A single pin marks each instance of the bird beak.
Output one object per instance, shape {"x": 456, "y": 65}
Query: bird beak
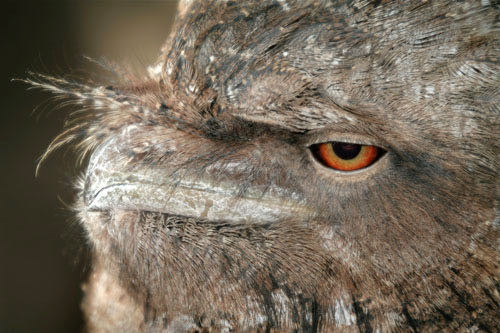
{"x": 109, "y": 185}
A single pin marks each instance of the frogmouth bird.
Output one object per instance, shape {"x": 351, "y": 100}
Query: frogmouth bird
{"x": 297, "y": 166}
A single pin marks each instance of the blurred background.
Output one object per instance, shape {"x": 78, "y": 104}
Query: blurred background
{"x": 43, "y": 260}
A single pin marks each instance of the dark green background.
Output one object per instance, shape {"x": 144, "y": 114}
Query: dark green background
{"x": 42, "y": 264}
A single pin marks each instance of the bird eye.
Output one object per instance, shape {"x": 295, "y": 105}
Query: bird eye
{"x": 346, "y": 156}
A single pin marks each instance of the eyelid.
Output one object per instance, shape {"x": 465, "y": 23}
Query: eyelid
{"x": 317, "y": 137}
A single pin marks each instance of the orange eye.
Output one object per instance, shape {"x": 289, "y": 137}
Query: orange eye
{"x": 345, "y": 156}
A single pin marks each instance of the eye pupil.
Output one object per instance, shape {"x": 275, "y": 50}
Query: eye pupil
{"x": 346, "y": 151}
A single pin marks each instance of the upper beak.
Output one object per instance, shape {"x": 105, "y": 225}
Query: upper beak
{"x": 110, "y": 185}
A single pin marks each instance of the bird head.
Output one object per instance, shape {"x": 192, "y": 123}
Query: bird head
{"x": 298, "y": 165}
